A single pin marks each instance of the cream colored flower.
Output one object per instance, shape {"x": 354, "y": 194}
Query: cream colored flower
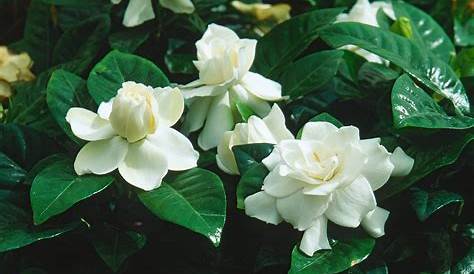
{"x": 271, "y": 129}
{"x": 224, "y": 80}
{"x": 13, "y": 68}
{"x": 140, "y": 11}
{"x": 366, "y": 13}
{"x": 267, "y": 15}
{"x": 132, "y": 132}
{"x": 329, "y": 174}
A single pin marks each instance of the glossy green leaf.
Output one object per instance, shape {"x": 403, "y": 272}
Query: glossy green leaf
{"x": 465, "y": 63}
{"x": 57, "y": 187}
{"x": 466, "y": 264}
{"x": 464, "y": 32}
{"x": 431, "y": 71}
{"x": 17, "y": 231}
{"x": 107, "y": 76}
{"x": 115, "y": 246}
{"x": 376, "y": 76}
{"x": 426, "y": 203}
{"x": 250, "y": 182}
{"x": 249, "y": 154}
{"x": 426, "y": 31}
{"x": 310, "y": 72}
{"x": 343, "y": 255}
{"x": 287, "y": 40}
{"x": 194, "y": 199}
{"x": 10, "y": 172}
{"x": 66, "y": 90}
{"x": 129, "y": 40}
{"x": 413, "y": 107}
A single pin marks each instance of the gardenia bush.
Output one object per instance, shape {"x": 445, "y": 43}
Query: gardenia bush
{"x": 215, "y": 136}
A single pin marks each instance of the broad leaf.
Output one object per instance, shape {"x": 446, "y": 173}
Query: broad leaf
{"x": 310, "y": 72}
{"x": 426, "y": 203}
{"x": 249, "y": 154}
{"x": 17, "y": 231}
{"x": 413, "y": 107}
{"x": 250, "y": 183}
{"x": 287, "y": 40}
{"x": 376, "y": 76}
{"x": 194, "y": 199}
{"x": 129, "y": 40}
{"x": 343, "y": 255}
{"x": 115, "y": 246}
{"x": 426, "y": 32}
{"x": 107, "y": 76}
{"x": 431, "y": 71}
{"x": 57, "y": 187}
{"x": 10, "y": 173}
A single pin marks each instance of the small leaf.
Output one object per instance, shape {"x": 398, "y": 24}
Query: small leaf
{"x": 244, "y": 110}
{"x": 57, "y": 187}
{"x": 426, "y": 203}
{"x": 107, "y": 76}
{"x": 115, "y": 246}
{"x": 250, "y": 182}
{"x": 249, "y": 154}
{"x": 194, "y": 199}
{"x": 10, "y": 173}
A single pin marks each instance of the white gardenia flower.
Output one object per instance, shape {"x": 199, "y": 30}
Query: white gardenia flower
{"x": 223, "y": 62}
{"x": 270, "y": 129}
{"x": 140, "y": 11}
{"x": 329, "y": 174}
{"x": 366, "y": 13}
{"x": 132, "y": 132}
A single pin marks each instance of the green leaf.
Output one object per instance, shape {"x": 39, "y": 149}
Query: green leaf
{"x": 426, "y": 32}
{"x": 466, "y": 264}
{"x": 249, "y": 154}
{"x": 465, "y": 63}
{"x": 66, "y": 90}
{"x": 376, "y": 76}
{"x": 10, "y": 173}
{"x": 194, "y": 199}
{"x": 115, "y": 246}
{"x": 57, "y": 187}
{"x": 426, "y": 203}
{"x": 250, "y": 182}
{"x": 413, "y": 107}
{"x": 129, "y": 40}
{"x": 16, "y": 230}
{"x": 343, "y": 255}
{"x": 244, "y": 110}
{"x": 431, "y": 71}
{"x": 107, "y": 76}
{"x": 287, "y": 40}
{"x": 310, "y": 72}
{"x": 74, "y": 3}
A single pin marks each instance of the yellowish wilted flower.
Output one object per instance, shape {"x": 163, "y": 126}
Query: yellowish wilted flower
{"x": 13, "y": 68}
{"x": 267, "y": 15}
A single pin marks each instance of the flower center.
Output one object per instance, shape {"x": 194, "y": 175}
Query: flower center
{"x": 323, "y": 168}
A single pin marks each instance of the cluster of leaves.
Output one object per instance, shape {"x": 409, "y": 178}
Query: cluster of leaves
{"x": 97, "y": 224}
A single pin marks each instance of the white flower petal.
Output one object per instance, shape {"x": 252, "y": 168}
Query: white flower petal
{"x": 137, "y": 12}
{"x": 225, "y": 157}
{"x": 246, "y": 55}
{"x": 374, "y": 222}
{"x": 402, "y": 162}
{"x": 144, "y": 165}
{"x": 315, "y": 238}
{"x": 105, "y": 108}
{"x": 352, "y": 203}
{"x": 175, "y": 147}
{"x": 88, "y": 126}
{"x": 263, "y": 207}
{"x": 272, "y": 160}
{"x": 178, "y": 6}
{"x": 378, "y": 168}
{"x": 275, "y": 121}
{"x": 262, "y": 87}
{"x": 302, "y": 210}
{"x": 170, "y": 106}
{"x": 219, "y": 120}
{"x": 317, "y": 131}
{"x": 101, "y": 157}
{"x": 280, "y": 186}
{"x": 238, "y": 94}
{"x": 196, "y": 114}
{"x": 202, "y": 90}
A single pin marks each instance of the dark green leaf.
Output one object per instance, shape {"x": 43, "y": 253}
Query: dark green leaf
{"x": 466, "y": 264}
{"x": 376, "y": 76}
{"x": 107, "y": 76}
{"x": 465, "y": 63}
{"x": 74, "y": 3}
{"x": 426, "y": 203}
{"x": 10, "y": 173}
{"x": 16, "y": 230}
{"x": 57, "y": 187}
{"x": 115, "y": 246}
{"x": 413, "y": 107}
{"x": 343, "y": 255}
{"x": 129, "y": 40}
{"x": 431, "y": 71}
{"x": 310, "y": 73}
{"x": 287, "y": 40}
{"x": 250, "y": 183}
{"x": 249, "y": 154}
{"x": 194, "y": 199}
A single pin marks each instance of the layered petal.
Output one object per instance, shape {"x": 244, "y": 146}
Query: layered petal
{"x": 175, "y": 147}
{"x": 105, "y": 108}
{"x": 374, "y": 222}
{"x": 403, "y": 164}
{"x": 219, "y": 120}
{"x": 88, "y": 126}
{"x": 280, "y": 186}
{"x": 196, "y": 114}
{"x": 246, "y": 53}
{"x": 261, "y": 87}
{"x": 263, "y": 207}
{"x": 144, "y": 165}
{"x": 170, "y": 106}
{"x": 238, "y": 94}
{"x": 317, "y": 131}
{"x": 315, "y": 238}
{"x": 137, "y": 12}
{"x": 275, "y": 121}
{"x": 378, "y": 168}
{"x": 178, "y": 6}
{"x": 101, "y": 157}
{"x": 225, "y": 157}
